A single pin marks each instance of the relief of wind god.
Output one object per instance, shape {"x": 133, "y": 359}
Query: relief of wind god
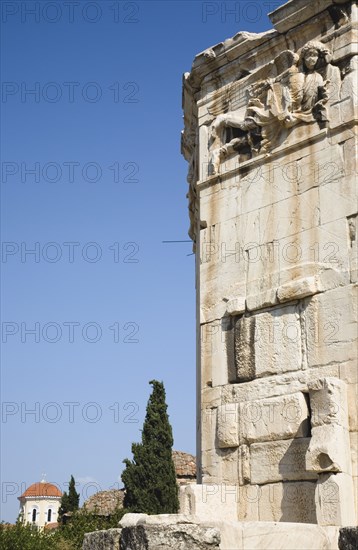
{"x": 297, "y": 93}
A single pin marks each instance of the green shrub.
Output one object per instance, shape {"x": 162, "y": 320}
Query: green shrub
{"x": 67, "y": 537}
{"x": 24, "y": 537}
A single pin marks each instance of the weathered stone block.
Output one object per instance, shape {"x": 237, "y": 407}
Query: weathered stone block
{"x": 260, "y": 257}
{"x": 331, "y": 327}
{"x": 288, "y": 501}
{"x": 276, "y": 418}
{"x": 215, "y": 339}
{"x": 277, "y": 341}
{"x": 103, "y": 540}
{"x": 244, "y": 464}
{"x": 220, "y": 466}
{"x": 211, "y": 397}
{"x": 211, "y": 467}
{"x": 177, "y": 536}
{"x": 228, "y": 426}
{"x": 275, "y": 386}
{"x": 354, "y": 453}
{"x": 349, "y": 373}
{"x": 349, "y": 109}
{"x": 248, "y": 507}
{"x": 244, "y": 349}
{"x": 288, "y": 536}
{"x": 326, "y": 246}
{"x": 236, "y": 306}
{"x": 328, "y": 401}
{"x": 297, "y": 289}
{"x": 130, "y": 520}
{"x": 319, "y": 278}
{"x": 209, "y": 501}
{"x": 222, "y": 267}
{"x": 352, "y": 394}
{"x": 350, "y": 146}
{"x": 353, "y": 252}
{"x": 261, "y": 188}
{"x": 289, "y": 215}
{"x": 213, "y": 303}
{"x": 338, "y": 198}
{"x": 213, "y": 206}
{"x": 262, "y": 272}
{"x": 320, "y": 166}
{"x": 231, "y": 534}
{"x": 335, "y": 500}
{"x": 229, "y": 466}
{"x": 268, "y": 343}
{"x": 262, "y": 299}
{"x": 208, "y": 428}
{"x": 280, "y": 461}
{"x": 290, "y": 15}
{"x": 329, "y": 450}
{"x": 330, "y": 278}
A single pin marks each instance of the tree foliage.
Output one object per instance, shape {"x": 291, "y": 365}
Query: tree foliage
{"x": 73, "y": 496}
{"x": 67, "y": 537}
{"x": 23, "y": 537}
{"x": 69, "y": 501}
{"x": 83, "y": 522}
{"x": 149, "y": 479}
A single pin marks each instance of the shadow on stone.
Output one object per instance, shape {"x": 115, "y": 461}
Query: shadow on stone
{"x": 348, "y": 538}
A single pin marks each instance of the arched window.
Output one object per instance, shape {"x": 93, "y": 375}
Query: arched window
{"x": 34, "y": 515}
{"x": 49, "y": 515}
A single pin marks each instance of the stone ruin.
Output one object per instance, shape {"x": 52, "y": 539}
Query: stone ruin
{"x": 270, "y": 138}
{"x": 185, "y": 467}
{"x": 105, "y": 503}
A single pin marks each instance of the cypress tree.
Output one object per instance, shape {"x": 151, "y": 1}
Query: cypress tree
{"x": 73, "y": 496}
{"x": 63, "y": 509}
{"x": 69, "y": 502}
{"x": 149, "y": 479}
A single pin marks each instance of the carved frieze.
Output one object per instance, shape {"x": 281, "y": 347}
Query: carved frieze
{"x": 296, "y": 91}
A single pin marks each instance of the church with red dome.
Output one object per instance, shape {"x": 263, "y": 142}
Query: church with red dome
{"x": 40, "y": 503}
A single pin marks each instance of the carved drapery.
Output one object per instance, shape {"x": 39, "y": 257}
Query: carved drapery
{"x": 301, "y": 86}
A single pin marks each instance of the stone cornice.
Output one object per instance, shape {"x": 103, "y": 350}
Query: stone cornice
{"x": 296, "y": 12}
{"x": 213, "y": 58}
{"x": 285, "y": 18}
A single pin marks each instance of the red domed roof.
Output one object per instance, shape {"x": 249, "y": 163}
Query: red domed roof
{"x": 42, "y": 489}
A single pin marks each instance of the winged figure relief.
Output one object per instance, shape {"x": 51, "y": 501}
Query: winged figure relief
{"x": 292, "y": 91}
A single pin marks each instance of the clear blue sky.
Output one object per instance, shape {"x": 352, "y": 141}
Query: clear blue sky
{"x": 101, "y": 133}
